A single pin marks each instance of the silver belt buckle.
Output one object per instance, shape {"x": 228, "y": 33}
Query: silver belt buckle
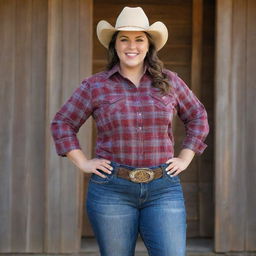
{"x": 141, "y": 175}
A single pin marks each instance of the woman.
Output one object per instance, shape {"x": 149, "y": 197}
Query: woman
{"x": 134, "y": 188}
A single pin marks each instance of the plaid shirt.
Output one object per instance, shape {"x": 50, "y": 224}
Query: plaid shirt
{"x": 134, "y": 124}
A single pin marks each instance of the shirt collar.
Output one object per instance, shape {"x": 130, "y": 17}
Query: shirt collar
{"x": 116, "y": 69}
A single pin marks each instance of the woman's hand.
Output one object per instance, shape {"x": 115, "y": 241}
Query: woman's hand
{"x": 95, "y": 164}
{"x": 89, "y": 166}
{"x": 176, "y": 166}
{"x": 180, "y": 163}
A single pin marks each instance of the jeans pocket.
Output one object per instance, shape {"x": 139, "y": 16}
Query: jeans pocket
{"x": 173, "y": 180}
{"x": 99, "y": 180}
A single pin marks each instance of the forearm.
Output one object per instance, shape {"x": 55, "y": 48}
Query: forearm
{"x": 77, "y": 157}
{"x": 187, "y": 155}
{"x": 89, "y": 165}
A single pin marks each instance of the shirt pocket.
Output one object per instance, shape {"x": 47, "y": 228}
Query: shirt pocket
{"x": 163, "y": 102}
{"x": 113, "y": 103}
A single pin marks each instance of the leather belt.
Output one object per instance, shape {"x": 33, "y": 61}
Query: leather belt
{"x": 140, "y": 175}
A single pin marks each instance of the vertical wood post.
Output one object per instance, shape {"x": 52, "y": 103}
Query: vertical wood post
{"x": 197, "y": 35}
{"x": 69, "y": 61}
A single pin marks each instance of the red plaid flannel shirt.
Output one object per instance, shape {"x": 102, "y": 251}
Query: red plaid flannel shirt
{"x": 134, "y": 124}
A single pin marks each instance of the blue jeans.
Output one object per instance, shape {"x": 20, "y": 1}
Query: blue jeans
{"x": 119, "y": 210}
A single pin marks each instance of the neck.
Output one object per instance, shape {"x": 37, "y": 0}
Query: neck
{"x": 133, "y": 74}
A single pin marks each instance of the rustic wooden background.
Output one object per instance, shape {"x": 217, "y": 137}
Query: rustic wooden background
{"x": 48, "y": 46}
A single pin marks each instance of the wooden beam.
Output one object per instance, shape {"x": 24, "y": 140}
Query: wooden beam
{"x": 7, "y": 81}
{"x": 69, "y": 61}
{"x": 251, "y": 127}
{"x": 197, "y": 35}
{"x": 231, "y": 164}
{"x": 196, "y": 75}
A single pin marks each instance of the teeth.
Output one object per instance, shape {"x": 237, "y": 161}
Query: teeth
{"x": 131, "y": 54}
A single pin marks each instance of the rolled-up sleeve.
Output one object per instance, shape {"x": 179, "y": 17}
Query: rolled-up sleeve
{"x": 69, "y": 118}
{"x": 193, "y": 114}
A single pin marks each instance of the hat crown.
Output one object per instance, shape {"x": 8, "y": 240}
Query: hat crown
{"x": 132, "y": 17}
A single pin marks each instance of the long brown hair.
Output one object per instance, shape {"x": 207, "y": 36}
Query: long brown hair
{"x": 155, "y": 65}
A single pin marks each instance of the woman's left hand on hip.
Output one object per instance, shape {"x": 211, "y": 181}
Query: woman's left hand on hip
{"x": 176, "y": 166}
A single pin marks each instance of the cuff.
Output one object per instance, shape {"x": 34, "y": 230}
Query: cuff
{"x": 64, "y": 145}
{"x": 198, "y": 146}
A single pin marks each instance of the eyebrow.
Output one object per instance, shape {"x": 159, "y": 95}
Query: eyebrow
{"x": 135, "y": 37}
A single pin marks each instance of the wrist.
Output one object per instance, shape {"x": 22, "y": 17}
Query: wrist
{"x": 186, "y": 155}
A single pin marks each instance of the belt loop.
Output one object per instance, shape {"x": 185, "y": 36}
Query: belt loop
{"x": 115, "y": 166}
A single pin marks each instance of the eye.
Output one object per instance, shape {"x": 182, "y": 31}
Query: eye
{"x": 123, "y": 39}
{"x": 140, "y": 40}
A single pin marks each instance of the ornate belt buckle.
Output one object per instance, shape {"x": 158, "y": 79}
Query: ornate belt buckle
{"x": 141, "y": 175}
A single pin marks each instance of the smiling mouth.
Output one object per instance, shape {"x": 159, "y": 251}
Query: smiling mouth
{"x": 131, "y": 54}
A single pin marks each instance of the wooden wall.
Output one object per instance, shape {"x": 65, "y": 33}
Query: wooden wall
{"x": 23, "y": 26}
{"x": 189, "y": 52}
{"x": 46, "y": 50}
{"x": 235, "y": 222}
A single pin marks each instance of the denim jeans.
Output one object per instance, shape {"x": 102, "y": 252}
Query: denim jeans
{"x": 119, "y": 210}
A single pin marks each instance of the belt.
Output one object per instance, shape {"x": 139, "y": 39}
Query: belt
{"x": 140, "y": 175}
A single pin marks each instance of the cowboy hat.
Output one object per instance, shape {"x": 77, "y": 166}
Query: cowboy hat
{"x": 133, "y": 19}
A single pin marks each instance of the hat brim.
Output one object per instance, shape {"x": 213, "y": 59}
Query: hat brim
{"x": 158, "y": 31}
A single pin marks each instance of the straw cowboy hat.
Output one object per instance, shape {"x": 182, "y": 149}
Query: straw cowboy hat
{"x": 133, "y": 19}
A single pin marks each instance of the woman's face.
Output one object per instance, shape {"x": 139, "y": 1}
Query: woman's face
{"x": 131, "y": 48}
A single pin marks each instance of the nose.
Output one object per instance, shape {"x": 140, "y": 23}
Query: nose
{"x": 132, "y": 44}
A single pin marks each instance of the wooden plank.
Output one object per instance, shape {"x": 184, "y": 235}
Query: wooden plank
{"x": 196, "y": 63}
{"x": 238, "y": 130}
{"x": 69, "y": 187}
{"x": 53, "y": 102}
{"x": 230, "y": 213}
{"x": 35, "y": 130}
{"x": 222, "y": 116}
{"x": 196, "y": 74}
{"x": 21, "y": 126}
{"x": 68, "y": 62}
{"x": 206, "y": 171}
{"x": 7, "y": 81}
{"x": 251, "y": 127}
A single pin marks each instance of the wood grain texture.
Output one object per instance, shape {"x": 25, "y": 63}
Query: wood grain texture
{"x": 68, "y": 64}
{"x": 7, "y": 83}
{"x": 250, "y": 127}
{"x": 53, "y": 102}
{"x": 23, "y": 185}
{"x": 223, "y": 112}
{"x": 234, "y": 121}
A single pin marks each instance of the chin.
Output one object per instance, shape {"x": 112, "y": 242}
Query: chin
{"x": 133, "y": 65}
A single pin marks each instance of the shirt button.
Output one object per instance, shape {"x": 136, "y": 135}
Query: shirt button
{"x": 140, "y": 114}
{"x": 140, "y": 128}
